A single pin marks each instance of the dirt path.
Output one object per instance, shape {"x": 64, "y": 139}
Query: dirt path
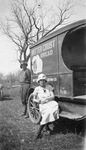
{"x": 17, "y": 133}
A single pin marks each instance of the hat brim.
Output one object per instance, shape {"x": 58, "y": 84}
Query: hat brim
{"x": 42, "y": 79}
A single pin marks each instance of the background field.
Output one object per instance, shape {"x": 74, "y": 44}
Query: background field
{"x": 18, "y": 133}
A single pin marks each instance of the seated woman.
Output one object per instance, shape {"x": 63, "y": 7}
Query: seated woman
{"x": 47, "y": 106}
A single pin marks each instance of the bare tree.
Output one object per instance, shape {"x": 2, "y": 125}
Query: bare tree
{"x": 11, "y": 79}
{"x": 26, "y": 25}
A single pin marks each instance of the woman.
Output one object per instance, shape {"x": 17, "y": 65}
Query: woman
{"x": 47, "y": 106}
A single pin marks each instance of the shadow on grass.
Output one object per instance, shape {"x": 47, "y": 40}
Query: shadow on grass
{"x": 65, "y": 126}
{"x": 6, "y": 97}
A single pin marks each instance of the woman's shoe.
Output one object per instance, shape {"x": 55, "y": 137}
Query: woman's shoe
{"x": 38, "y": 137}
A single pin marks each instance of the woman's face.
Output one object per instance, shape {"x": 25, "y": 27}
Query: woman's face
{"x": 42, "y": 83}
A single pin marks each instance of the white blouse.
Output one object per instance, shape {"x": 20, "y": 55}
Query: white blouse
{"x": 43, "y": 93}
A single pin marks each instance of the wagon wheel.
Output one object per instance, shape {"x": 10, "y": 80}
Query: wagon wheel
{"x": 33, "y": 110}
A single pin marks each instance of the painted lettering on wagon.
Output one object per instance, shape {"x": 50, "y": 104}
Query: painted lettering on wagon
{"x": 51, "y": 79}
{"x": 45, "y": 49}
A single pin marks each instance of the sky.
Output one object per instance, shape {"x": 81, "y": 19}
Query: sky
{"x": 8, "y": 55}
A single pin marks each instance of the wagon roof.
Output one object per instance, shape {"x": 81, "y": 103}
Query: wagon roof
{"x": 60, "y": 31}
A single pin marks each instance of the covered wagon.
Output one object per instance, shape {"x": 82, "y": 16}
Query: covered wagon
{"x": 62, "y": 57}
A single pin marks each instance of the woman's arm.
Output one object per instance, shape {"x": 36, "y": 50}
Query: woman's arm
{"x": 51, "y": 97}
{"x": 35, "y": 97}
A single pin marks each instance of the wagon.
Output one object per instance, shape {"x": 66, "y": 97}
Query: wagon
{"x": 62, "y": 57}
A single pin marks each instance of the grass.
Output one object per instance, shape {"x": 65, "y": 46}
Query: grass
{"x": 18, "y": 133}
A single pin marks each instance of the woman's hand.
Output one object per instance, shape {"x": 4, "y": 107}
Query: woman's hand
{"x": 46, "y": 100}
{"x": 50, "y": 98}
{"x": 35, "y": 100}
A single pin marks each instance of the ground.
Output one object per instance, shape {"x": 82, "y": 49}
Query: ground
{"x": 18, "y": 133}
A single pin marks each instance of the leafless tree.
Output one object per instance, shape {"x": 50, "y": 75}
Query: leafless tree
{"x": 26, "y": 25}
{"x": 10, "y": 79}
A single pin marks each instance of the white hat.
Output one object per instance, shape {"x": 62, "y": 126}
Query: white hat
{"x": 42, "y": 77}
